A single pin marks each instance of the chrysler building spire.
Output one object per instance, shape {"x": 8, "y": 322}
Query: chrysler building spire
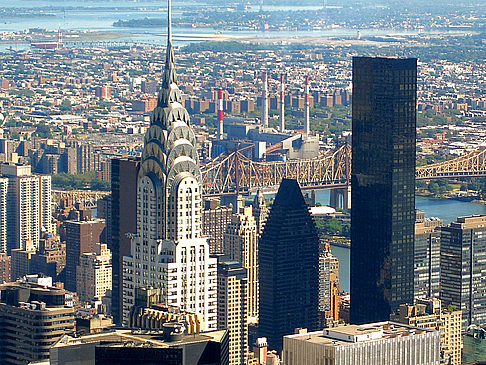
{"x": 169, "y": 200}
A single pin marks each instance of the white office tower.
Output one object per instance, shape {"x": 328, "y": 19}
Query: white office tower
{"x": 241, "y": 244}
{"x": 25, "y": 207}
{"x": 168, "y": 250}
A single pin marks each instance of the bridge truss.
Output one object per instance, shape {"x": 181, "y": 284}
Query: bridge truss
{"x": 236, "y": 172}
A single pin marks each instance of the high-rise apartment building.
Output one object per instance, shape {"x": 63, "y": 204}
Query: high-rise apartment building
{"x": 426, "y": 257}
{"x": 383, "y": 181}
{"x": 240, "y": 244}
{"x": 94, "y": 274}
{"x": 168, "y": 250}
{"x": 288, "y": 259}
{"x": 382, "y": 343}
{"x": 4, "y": 267}
{"x": 462, "y": 268}
{"x": 215, "y": 218}
{"x": 32, "y": 318}
{"x": 25, "y": 210}
{"x": 122, "y": 220}
{"x": 232, "y": 309}
{"x": 80, "y": 237}
{"x": 428, "y": 313}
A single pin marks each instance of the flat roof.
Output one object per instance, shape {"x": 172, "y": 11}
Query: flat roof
{"x": 350, "y": 334}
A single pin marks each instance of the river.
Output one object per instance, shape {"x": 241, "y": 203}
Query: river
{"x": 445, "y": 209}
{"x": 96, "y": 15}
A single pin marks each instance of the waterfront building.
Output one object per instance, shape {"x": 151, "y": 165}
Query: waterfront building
{"x": 383, "y": 181}
{"x": 329, "y": 287}
{"x": 232, "y": 309}
{"x": 215, "y": 218}
{"x": 463, "y": 267}
{"x": 169, "y": 250}
{"x": 288, "y": 258}
{"x": 428, "y": 313}
{"x": 426, "y": 257}
{"x": 81, "y": 237}
{"x": 25, "y": 208}
{"x": 122, "y": 220}
{"x": 240, "y": 244}
{"x": 32, "y": 318}
{"x": 382, "y": 343}
{"x": 94, "y": 274}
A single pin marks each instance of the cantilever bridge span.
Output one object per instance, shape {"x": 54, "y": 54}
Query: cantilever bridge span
{"x": 236, "y": 172}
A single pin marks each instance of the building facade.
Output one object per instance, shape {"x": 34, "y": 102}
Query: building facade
{"x": 169, "y": 250}
{"x": 382, "y": 343}
{"x": 25, "y": 210}
{"x": 94, "y": 274}
{"x": 383, "y": 181}
{"x": 122, "y": 220}
{"x": 288, "y": 259}
{"x": 427, "y": 257}
{"x": 463, "y": 266}
{"x": 240, "y": 244}
{"x": 215, "y": 219}
{"x": 232, "y": 309}
{"x": 428, "y": 313}
{"x": 80, "y": 237}
{"x": 32, "y": 319}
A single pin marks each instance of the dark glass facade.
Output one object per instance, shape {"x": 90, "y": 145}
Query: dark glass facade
{"x": 288, "y": 257}
{"x": 122, "y": 220}
{"x": 383, "y": 186}
{"x": 463, "y": 268}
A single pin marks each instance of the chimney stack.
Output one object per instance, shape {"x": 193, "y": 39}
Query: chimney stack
{"x": 282, "y": 102}
{"x": 220, "y": 114}
{"x": 307, "y": 108}
{"x": 265, "y": 100}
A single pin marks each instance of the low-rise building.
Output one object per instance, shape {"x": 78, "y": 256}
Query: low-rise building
{"x": 381, "y": 343}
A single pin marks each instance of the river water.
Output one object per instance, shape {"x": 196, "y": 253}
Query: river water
{"x": 445, "y": 209}
{"x": 96, "y": 15}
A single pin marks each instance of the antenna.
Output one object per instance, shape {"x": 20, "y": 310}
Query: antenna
{"x": 169, "y": 22}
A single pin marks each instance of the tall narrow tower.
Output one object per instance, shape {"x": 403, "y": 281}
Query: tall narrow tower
{"x": 383, "y": 181}
{"x": 282, "y": 102}
{"x": 220, "y": 114}
{"x": 265, "y": 100}
{"x": 168, "y": 250}
{"x": 307, "y": 108}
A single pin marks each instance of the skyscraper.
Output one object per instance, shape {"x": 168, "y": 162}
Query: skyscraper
{"x": 288, "y": 258}
{"x": 25, "y": 208}
{"x": 240, "y": 244}
{"x": 232, "y": 309}
{"x": 383, "y": 186}
{"x": 168, "y": 250}
{"x": 426, "y": 257}
{"x": 462, "y": 268}
{"x": 122, "y": 220}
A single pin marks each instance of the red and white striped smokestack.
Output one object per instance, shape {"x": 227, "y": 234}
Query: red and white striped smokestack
{"x": 265, "y": 100}
{"x": 307, "y": 107}
{"x": 59, "y": 37}
{"x": 282, "y": 102}
{"x": 220, "y": 114}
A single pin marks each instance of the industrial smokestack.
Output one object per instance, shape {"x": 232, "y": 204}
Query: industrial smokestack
{"x": 220, "y": 114}
{"x": 265, "y": 100}
{"x": 307, "y": 108}
{"x": 282, "y": 102}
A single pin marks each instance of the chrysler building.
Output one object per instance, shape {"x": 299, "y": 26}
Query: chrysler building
{"x": 168, "y": 250}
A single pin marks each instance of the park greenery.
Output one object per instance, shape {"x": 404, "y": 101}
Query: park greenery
{"x": 332, "y": 227}
{"x": 87, "y": 180}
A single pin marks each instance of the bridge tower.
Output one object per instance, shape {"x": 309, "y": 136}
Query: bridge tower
{"x": 341, "y": 198}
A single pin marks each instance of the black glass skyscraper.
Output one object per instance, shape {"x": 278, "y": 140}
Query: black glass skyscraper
{"x": 383, "y": 186}
{"x": 288, "y": 257}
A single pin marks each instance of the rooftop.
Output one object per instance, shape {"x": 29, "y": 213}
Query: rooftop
{"x": 349, "y": 334}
